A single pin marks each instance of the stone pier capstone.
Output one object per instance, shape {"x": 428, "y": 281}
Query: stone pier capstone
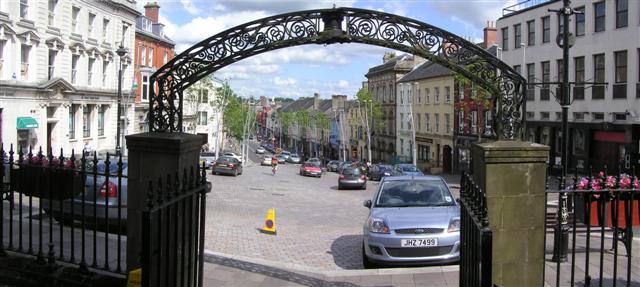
{"x": 513, "y": 175}
{"x": 153, "y": 155}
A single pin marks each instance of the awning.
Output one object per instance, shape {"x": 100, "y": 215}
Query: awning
{"x": 24, "y": 123}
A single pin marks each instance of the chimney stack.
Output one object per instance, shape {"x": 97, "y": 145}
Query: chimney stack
{"x": 152, "y": 11}
{"x": 388, "y": 56}
{"x": 316, "y": 101}
{"x": 490, "y": 33}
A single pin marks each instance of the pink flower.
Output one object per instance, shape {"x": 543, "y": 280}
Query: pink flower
{"x": 601, "y": 174}
{"x": 583, "y": 184}
{"x": 636, "y": 183}
{"x": 611, "y": 182}
{"x": 625, "y": 181}
{"x": 595, "y": 184}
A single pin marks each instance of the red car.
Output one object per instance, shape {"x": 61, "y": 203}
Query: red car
{"x": 310, "y": 169}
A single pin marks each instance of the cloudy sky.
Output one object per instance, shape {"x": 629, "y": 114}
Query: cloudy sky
{"x": 300, "y": 71}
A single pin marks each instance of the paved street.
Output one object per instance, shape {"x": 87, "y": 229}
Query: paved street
{"x": 318, "y": 225}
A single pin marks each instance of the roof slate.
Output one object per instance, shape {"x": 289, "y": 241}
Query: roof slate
{"x": 425, "y": 71}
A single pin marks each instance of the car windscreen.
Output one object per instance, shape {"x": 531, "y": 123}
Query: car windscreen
{"x": 414, "y": 193}
{"x": 385, "y": 167}
{"x": 351, "y": 171}
{"x": 313, "y": 164}
{"x": 225, "y": 159}
{"x": 408, "y": 168}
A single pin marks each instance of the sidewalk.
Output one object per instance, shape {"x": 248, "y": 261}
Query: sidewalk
{"x": 232, "y": 271}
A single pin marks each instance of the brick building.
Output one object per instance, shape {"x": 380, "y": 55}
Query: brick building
{"x": 153, "y": 49}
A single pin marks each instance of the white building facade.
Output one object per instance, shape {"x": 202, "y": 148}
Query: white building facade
{"x": 202, "y": 116}
{"x": 59, "y": 72}
{"x": 604, "y": 120}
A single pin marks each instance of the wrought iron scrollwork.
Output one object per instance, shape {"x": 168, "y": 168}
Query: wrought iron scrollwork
{"x": 325, "y": 26}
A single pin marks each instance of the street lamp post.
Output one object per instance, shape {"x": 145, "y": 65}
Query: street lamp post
{"x": 561, "y": 230}
{"x": 121, "y": 52}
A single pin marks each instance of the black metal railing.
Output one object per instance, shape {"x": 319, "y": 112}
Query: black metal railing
{"x": 173, "y": 230}
{"x": 604, "y": 210}
{"x": 475, "y": 235}
{"x": 70, "y": 209}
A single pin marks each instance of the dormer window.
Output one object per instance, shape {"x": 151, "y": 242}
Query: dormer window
{"x": 146, "y": 24}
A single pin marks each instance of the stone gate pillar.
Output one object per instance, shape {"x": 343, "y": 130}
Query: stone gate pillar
{"x": 153, "y": 155}
{"x": 513, "y": 175}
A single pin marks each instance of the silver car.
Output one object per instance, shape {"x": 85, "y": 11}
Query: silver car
{"x": 413, "y": 220}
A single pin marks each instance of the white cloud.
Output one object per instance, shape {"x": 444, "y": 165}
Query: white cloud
{"x": 201, "y": 28}
{"x": 190, "y": 7}
{"x": 343, "y": 84}
{"x": 171, "y": 5}
{"x": 474, "y": 14}
{"x": 284, "y": 82}
{"x": 280, "y": 6}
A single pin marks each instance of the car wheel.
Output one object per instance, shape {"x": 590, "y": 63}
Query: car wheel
{"x": 235, "y": 173}
{"x": 365, "y": 260}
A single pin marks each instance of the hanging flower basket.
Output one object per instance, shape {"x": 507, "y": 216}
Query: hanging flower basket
{"x": 600, "y": 195}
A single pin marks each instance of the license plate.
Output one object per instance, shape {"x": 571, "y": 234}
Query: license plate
{"x": 222, "y": 165}
{"x": 426, "y": 242}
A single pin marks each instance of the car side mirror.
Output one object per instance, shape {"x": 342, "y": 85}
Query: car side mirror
{"x": 367, "y": 203}
{"x": 458, "y": 200}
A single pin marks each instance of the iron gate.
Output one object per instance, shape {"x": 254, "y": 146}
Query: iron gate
{"x": 173, "y": 230}
{"x": 64, "y": 208}
{"x": 601, "y": 212}
{"x": 475, "y": 235}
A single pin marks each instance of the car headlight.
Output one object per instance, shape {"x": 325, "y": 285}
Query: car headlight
{"x": 386, "y": 174}
{"x": 454, "y": 225}
{"x": 377, "y": 225}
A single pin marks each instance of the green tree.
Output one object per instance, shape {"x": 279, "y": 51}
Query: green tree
{"x": 234, "y": 111}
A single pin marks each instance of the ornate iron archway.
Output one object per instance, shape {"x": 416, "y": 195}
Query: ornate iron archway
{"x": 338, "y": 25}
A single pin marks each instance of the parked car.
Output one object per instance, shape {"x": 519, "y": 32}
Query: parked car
{"x": 281, "y": 159}
{"x": 343, "y": 165}
{"x": 208, "y": 158}
{"x": 352, "y": 177}
{"x": 315, "y": 160}
{"x": 310, "y": 169}
{"x": 266, "y": 160}
{"x": 233, "y": 155}
{"x": 294, "y": 158}
{"x": 332, "y": 165}
{"x": 286, "y": 154}
{"x": 260, "y": 150}
{"x": 408, "y": 169}
{"x": 412, "y": 220}
{"x": 378, "y": 171}
{"x": 227, "y": 165}
{"x": 102, "y": 190}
